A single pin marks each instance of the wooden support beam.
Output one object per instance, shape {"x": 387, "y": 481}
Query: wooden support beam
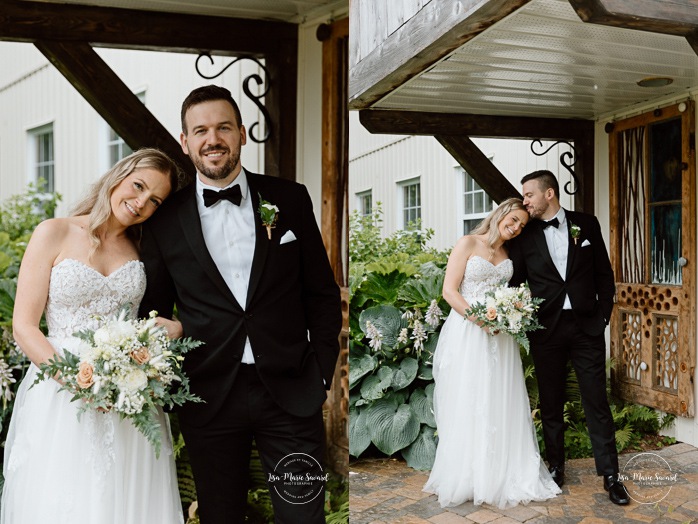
{"x": 28, "y": 21}
{"x": 437, "y": 29}
{"x": 478, "y": 166}
{"x": 584, "y": 169}
{"x": 424, "y": 123}
{"x": 112, "y": 99}
{"x": 335, "y": 145}
{"x": 281, "y": 102}
{"x": 672, "y": 17}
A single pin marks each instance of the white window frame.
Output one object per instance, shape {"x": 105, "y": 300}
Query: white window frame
{"x": 34, "y": 165}
{"x": 403, "y": 207}
{"x": 465, "y": 190}
{"x": 360, "y": 201}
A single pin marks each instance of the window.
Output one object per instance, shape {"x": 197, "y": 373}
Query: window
{"x": 365, "y": 204}
{"x": 116, "y": 147}
{"x": 41, "y": 157}
{"x": 476, "y": 203}
{"x": 411, "y": 203}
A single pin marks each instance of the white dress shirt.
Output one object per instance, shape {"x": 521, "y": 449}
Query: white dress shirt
{"x": 229, "y": 233}
{"x": 558, "y": 243}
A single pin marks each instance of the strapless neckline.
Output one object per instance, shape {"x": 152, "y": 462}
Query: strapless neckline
{"x": 78, "y": 262}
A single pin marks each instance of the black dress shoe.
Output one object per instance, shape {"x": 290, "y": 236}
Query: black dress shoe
{"x": 558, "y": 475}
{"x": 616, "y": 490}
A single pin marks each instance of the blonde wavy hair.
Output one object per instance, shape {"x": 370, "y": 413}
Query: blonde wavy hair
{"x": 490, "y": 225}
{"x": 97, "y": 203}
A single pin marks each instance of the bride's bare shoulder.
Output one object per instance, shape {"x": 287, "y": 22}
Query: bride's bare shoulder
{"x": 469, "y": 241}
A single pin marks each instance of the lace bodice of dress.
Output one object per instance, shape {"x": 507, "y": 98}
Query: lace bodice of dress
{"x": 482, "y": 276}
{"x": 78, "y": 294}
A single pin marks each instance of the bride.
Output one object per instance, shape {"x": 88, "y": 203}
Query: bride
{"x": 487, "y": 450}
{"x": 99, "y": 469}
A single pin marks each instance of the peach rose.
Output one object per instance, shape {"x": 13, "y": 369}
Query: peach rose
{"x": 85, "y": 379}
{"x": 491, "y": 313}
{"x": 141, "y": 355}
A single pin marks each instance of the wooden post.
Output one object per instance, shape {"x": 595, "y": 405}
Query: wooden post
{"x": 334, "y": 218}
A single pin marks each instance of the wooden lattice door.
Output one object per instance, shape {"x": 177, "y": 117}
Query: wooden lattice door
{"x": 653, "y": 232}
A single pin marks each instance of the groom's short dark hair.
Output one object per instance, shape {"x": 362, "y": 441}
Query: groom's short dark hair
{"x": 208, "y": 94}
{"x": 546, "y": 180}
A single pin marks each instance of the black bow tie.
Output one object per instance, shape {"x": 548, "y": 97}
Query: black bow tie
{"x": 554, "y": 223}
{"x": 233, "y": 194}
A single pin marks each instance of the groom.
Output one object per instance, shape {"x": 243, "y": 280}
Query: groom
{"x": 255, "y": 284}
{"x": 563, "y": 257}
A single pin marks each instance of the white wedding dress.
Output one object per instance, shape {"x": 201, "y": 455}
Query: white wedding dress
{"x": 487, "y": 449}
{"x": 100, "y": 469}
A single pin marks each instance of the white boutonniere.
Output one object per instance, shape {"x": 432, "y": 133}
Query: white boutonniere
{"x": 575, "y": 231}
{"x": 269, "y": 214}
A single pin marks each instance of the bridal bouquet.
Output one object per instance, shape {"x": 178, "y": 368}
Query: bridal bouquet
{"x": 127, "y": 366}
{"x": 509, "y": 310}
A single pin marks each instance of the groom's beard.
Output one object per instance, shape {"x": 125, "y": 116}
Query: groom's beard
{"x": 216, "y": 173}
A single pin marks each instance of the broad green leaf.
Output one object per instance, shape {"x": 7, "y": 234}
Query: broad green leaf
{"x": 392, "y": 426}
{"x": 381, "y": 288}
{"x": 405, "y": 373}
{"x": 374, "y": 386}
{"x": 426, "y": 372}
{"x": 422, "y": 402}
{"x": 421, "y": 453}
{"x": 359, "y": 438}
{"x": 360, "y": 367}
{"x": 419, "y": 292}
{"x": 386, "y": 319}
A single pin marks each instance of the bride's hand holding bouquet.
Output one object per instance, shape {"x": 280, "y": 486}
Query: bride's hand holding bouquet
{"x": 129, "y": 366}
{"x": 510, "y": 310}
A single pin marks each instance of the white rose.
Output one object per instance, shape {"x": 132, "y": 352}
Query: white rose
{"x": 134, "y": 380}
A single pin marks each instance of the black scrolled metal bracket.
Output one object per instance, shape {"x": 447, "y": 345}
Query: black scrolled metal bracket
{"x": 256, "y": 99}
{"x": 568, "y": 159}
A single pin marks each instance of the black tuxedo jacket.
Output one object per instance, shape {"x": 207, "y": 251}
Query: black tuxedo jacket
{"x": 589, "y": 280}
{"x": 293, "y": 312}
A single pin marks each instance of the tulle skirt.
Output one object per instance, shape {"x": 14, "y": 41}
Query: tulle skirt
{"x": 96, "y": 470}
{"x": 487, "y": 449}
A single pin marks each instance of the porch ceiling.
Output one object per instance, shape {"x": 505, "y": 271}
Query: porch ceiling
{"x": 294, "y": 11}
{"x": 544, "y": 61}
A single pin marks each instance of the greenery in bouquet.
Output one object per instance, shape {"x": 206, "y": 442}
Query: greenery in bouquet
{"x": 128, "y": 366}
{"x": 509, "y": 310}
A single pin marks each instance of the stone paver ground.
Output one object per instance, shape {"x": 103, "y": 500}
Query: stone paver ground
{"x": 383, "y": 491}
